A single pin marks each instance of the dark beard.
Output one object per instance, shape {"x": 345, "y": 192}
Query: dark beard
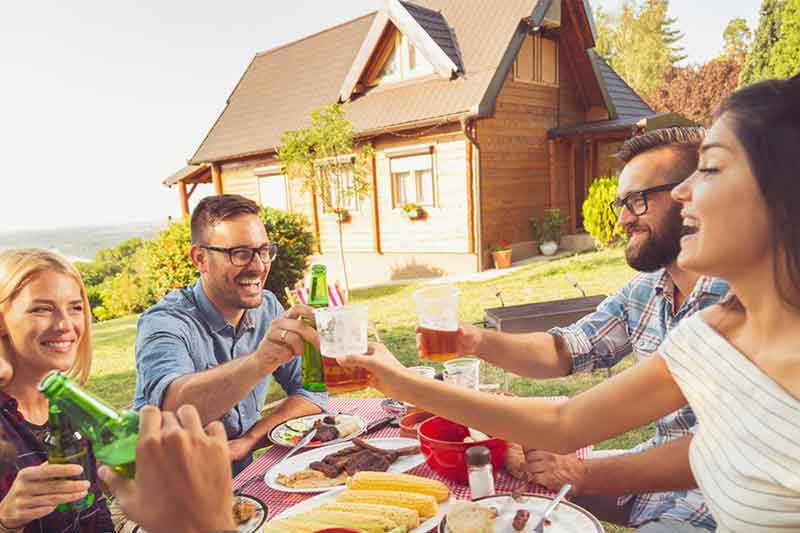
{"x": 661, "y": 248}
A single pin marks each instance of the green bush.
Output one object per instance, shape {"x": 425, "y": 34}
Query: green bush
{"x": 598, "y": 219}
{"x": 295, "y": 247}
{"x": 168, "y": 264}
{"x": 548, "y": 228}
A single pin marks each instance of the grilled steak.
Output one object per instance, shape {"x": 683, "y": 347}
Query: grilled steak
{"x": 326, "y": 468}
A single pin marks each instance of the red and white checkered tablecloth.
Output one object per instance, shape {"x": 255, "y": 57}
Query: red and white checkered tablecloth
{"x": 370, "y": 409}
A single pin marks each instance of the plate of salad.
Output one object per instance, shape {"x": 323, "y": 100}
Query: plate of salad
{"x": 331, "y": 429}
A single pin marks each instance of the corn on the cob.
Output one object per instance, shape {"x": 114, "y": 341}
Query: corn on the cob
{"x": 367, "y": 524}
{"x": 399, "y": 515}
{"x": 424, "y": 504}
{"x": 399, "y": 482}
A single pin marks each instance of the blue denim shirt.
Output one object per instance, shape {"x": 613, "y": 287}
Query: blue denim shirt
{"x": 183, "y": 333}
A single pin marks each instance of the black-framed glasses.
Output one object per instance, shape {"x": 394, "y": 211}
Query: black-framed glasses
{"x": 243, "y": 255}
{"x": 636, "y": 201}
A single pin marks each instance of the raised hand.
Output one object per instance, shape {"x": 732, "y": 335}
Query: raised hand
{"x": 384, "y": 369}
{"x": 285, "y": 336}
{"x": 468, "y": 340}
{"x": 183, "y": 475}
{"x": 37, "y": 490}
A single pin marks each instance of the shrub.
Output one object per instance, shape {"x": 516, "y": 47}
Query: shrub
{"x": 549, "y": 227}
{"x": 598, "y": 219}
{"x": 295, "y": 247}
{"x": 168, "y": 264}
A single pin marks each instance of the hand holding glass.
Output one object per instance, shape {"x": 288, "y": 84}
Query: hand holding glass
{"x": 342, "y": 331}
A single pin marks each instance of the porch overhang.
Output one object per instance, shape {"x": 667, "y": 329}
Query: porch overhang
{"x": 623, "y": 127}
{"x": 190, "y": 174}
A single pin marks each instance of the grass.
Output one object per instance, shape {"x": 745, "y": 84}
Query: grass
{"x": 392, "y": 313}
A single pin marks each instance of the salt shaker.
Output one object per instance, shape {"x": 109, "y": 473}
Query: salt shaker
{"x": 479, "y": 466}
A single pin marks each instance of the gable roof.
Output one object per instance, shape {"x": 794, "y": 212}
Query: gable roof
{"x": 281, "y": 87}
{"x": 626, "y": 108}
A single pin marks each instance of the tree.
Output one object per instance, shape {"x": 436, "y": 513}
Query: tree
{"x": 695, "y": 91}
{"x": 757, "y": 65}
{"x": 639, "y": 42}
{"x": 784, "y": 59}
{"x": 736, "y": 40}
{"x": 324, "y": 157}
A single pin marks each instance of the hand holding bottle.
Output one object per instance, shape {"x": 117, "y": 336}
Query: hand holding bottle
{"x": 183, "y": 476}
{"x": 37, "y": 490}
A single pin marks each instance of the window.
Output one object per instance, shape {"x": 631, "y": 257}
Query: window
{"x": 412, "y": 179}
{"x": 349, "y": 201}
{"x": 537, "y": 60}
{"x": 403, "y": 61}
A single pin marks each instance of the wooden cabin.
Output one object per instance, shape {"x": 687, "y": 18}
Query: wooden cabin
{"x": 483, "y": 112}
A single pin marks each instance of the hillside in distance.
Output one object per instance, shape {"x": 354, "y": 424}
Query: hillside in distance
{"x": 80, "y": 243}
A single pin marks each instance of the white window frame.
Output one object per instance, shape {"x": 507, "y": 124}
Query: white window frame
{"x": 416, "y": 168}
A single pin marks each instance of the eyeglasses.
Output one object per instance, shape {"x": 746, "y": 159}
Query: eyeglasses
{"x": 243, "y": 256}
{"x": 636, "y": 201}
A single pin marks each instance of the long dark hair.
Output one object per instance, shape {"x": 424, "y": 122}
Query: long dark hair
{"x": 766, "y": 121}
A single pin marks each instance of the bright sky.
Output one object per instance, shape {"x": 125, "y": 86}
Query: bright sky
{"x": 100, "y": 101}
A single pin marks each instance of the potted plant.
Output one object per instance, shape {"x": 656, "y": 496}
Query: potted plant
{"x": 501, "y": 254}
{"x": 547, "y": 230}
{"x": 412, "y": 211}
{"x": 342, "y": 214}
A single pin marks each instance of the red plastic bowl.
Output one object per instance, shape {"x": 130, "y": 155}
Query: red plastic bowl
{"x": 336, "y": 530}
{"x": 442, "y": 444}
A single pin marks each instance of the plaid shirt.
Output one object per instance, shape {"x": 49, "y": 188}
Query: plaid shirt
{"x": 637, "y": 319}
{"x": 27, "y": 439}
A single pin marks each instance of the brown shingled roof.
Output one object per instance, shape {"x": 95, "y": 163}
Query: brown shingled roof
{"x": 282, "y": 86}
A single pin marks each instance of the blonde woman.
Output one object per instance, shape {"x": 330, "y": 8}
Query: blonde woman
{"x": 44, "y": 325}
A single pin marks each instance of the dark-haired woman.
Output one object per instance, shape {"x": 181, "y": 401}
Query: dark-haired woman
{"x": 737, "y": 364}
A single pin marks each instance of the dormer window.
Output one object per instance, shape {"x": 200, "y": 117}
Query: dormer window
{"x": 403, "y": 61}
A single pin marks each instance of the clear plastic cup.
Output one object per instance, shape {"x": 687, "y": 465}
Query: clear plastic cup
{"x": 465, "y": 372}
{"x": 342, "y": 331}
{"x": 437, "y": 319}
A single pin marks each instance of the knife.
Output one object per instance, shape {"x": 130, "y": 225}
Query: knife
{"x": 380, "y": 424}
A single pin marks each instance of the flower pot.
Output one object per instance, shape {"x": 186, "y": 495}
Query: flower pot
{"x": 548, "y": 247}
{"x": 502, "y": 259}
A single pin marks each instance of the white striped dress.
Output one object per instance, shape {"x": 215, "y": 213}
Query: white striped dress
{"x": 746, "y": 453}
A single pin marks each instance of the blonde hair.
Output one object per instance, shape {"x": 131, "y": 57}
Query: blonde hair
{"x": 17, "y": 269}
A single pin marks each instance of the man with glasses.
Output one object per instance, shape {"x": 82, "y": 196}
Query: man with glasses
{"x": 218, "y": 343}
{"x": 635, "y": 319}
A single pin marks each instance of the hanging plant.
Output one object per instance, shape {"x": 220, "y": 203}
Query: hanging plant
{"x": 412, "y": 211}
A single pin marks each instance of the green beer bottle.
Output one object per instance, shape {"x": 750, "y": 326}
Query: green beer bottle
{"x": 67, "y": 446}
{"x": 313, "y": 377}
{"x": 112, "y": 434}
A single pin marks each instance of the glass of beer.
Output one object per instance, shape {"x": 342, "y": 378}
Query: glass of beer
{"x": 437, "y": 320}
{"x": 342, "y": 331}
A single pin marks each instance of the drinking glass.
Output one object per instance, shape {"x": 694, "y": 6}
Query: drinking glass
{"x": 424, "y": 371}
{"x": 342, "y": 331}
{"x": 437, "y": 319}
{"x": 465, "y": 372}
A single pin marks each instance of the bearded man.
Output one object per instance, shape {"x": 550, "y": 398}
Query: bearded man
{"x": 646, "y": 487}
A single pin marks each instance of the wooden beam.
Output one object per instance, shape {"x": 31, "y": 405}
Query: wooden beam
{"x": 572, "y": 220}
{"x": 315, "y": 208}
{"x": 470, "y": 200}
{"x": 552, "y": 156}
{"x": 216, "y": 178}
{"x": 191, "y": 191}
{"x": 184, "y": 198}
{"x": 376, "y": 223}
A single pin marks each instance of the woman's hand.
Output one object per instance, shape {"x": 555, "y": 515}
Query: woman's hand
{"x": 37, "y": 490}
{"x": 183, "y": 475}
{"x": 385, "y": 372}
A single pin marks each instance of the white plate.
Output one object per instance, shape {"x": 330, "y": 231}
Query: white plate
{"x": 277, "y": 434}
{"x": 251, "y": 526}
{"x": 330, "y": 497}
{"x": 567, "y": 518}
{"x": 301, "y": 462}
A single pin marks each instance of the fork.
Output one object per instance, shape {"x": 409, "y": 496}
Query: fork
{"x": 550, "y": 508}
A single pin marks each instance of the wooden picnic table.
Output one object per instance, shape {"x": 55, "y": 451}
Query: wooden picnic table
{"x": 369, "y": 409}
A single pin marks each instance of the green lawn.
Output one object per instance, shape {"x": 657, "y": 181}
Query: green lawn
{"x": 113, "y": 374}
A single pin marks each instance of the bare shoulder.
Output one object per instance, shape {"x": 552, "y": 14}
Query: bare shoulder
{"x": 724, "y": 318}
